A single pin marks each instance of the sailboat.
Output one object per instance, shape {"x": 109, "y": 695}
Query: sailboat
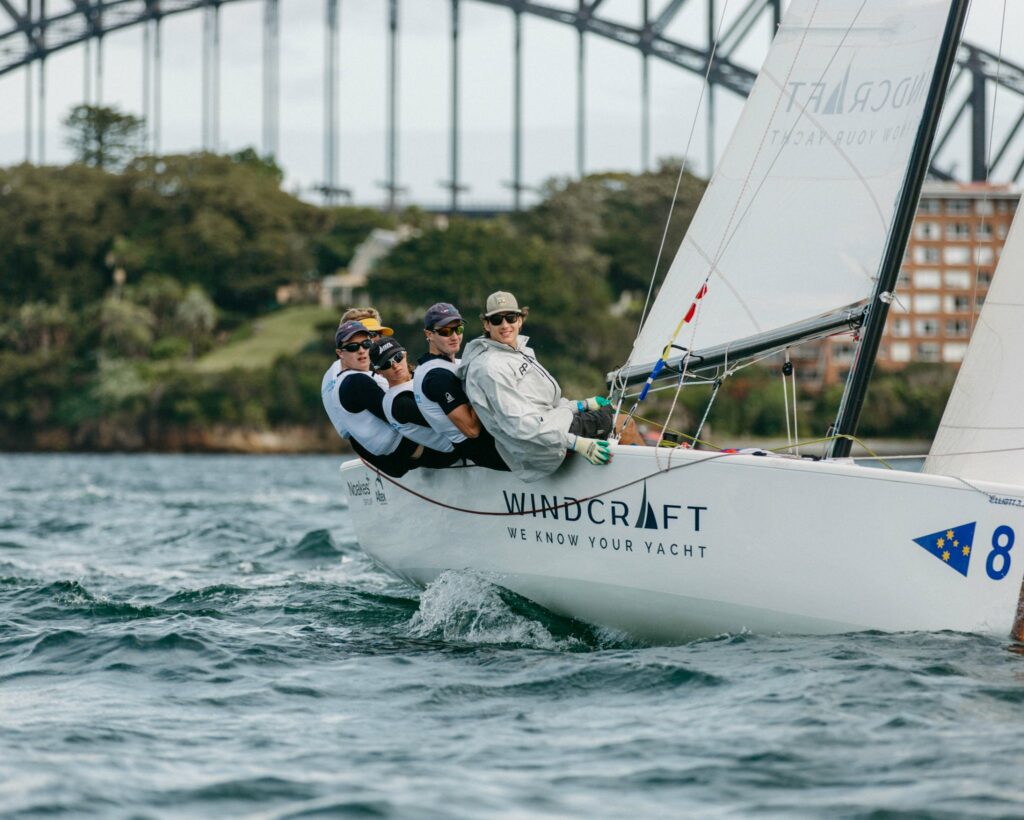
{"x": 800, "y": 235}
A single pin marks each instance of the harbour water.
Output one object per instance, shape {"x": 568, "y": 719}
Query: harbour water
{"x": 201, "y": 636}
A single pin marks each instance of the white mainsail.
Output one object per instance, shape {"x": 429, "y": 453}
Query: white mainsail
{"x": 982, "y": 430}
{"x": 794, "y": 222}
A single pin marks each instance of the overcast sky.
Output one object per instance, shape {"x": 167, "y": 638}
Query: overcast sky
{"x": 613, "y": 96}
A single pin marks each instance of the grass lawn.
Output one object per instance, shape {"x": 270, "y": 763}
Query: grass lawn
{"x": 286, "y": 331}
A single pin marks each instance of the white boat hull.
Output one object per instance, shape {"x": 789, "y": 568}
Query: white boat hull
{"x": 675, "y": 545}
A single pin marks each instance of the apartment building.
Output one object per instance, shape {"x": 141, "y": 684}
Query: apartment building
{"x": 957, "y": 236}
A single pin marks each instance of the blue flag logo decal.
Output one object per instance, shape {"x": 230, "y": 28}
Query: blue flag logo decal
{"x": 952, "y": 546}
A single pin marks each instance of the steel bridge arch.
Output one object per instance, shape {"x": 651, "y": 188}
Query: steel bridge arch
{"x": 32, "y": 34}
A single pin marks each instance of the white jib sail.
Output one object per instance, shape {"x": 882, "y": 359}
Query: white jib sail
{"x": 794, "y": 222}
{"x": 981, "y": 435}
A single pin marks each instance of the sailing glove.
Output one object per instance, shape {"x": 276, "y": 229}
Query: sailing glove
{"x": 593, "y": 403}
{"x": 594, "y": 451}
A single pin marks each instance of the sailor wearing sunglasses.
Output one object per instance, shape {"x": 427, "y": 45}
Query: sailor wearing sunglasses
{"x": 353, "y": 399}
{"x": 389, "y": 359}
{"x": 440, "y": 394}
{"x": 520, "y": 402}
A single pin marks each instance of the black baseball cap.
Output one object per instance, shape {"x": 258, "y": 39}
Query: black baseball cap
{"x": 383, "y": 351}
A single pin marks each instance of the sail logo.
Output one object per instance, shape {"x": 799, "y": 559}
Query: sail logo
{"x": 605, "y": 511}
{"x": 852, "y": 97}
{"x": 647, "y": 520}
{"x": 952, "y": 546}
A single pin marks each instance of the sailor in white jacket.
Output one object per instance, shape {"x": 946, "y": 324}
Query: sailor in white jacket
{"x": 521, "y": 404}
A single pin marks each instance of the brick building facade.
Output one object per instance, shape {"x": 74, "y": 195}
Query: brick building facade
{"x": 957, "y": 236}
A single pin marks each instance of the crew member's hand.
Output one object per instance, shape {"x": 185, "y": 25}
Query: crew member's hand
{"x": 594, "y": 451}
{"x": 593, "y": 403}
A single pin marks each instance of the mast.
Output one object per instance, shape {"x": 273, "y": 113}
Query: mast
{"x": 878, "y": 307}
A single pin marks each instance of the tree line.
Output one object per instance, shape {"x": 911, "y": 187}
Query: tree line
{"x": 118, "y": 271}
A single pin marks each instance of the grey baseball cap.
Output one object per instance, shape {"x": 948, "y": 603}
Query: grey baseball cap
{"x": 501, "y": 301}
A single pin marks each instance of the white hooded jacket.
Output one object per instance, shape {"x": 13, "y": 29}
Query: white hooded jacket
{"x": 519, "y": 403}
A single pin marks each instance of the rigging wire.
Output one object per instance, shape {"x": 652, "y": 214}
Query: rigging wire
{"x": 682, "y": 168}
{"x": 727, "y": 237}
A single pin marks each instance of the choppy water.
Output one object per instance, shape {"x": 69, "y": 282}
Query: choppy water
{"x": 201, "y": 636}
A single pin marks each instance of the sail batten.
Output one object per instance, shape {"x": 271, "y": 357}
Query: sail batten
{"x": 809, "y": 180}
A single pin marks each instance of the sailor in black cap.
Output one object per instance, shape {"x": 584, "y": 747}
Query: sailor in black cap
{"x": 440, "y": 394}
{"x": 353, "y": 399}
{"x": 389, "y": 359}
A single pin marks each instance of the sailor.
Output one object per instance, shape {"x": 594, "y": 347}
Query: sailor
{"x": 370, "y": 319}
{"x": 353, "y": 399}
{"x": 520, "y": 402}
{"x": 440, "y": 394}
{"x": 389, "y": 359}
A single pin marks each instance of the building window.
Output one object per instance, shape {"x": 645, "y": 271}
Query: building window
{"x": 1001, "y": 231}
{"x": 926, "y": 327}
{"x": 929, "y": 352}
{"x": 985, "y": 231}
{"x": 927, "y": 303}
{"x": 982, "y": 256}
{"x": 929, "y": 206}
{"x": 926, "y": 255}
{"x": 979, "y": 300}
{"x": 958, "y": 327}
{"x": 901, "y": 328}
{"x": 956, "y": 304}
{"x": 958, "y": 206}
{"x": 957, "y": 279}
{"x": 928, "y": 230}
{"x": 958, "y": 230}
{"x": 984, "y": 207}
{"x": 904, "y": 279}
{"x": 984, "y": 278}
{"x": 900, "y": 352}
{"x": 927, "y": 279}
{"x": 954, "y": 351}
{"x": 956, "y": 255}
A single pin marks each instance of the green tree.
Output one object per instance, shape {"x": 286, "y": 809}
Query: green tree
{"x": 197, "y": 317}
{"x": 570, "y": 324}
{"x": 103, "y": 137}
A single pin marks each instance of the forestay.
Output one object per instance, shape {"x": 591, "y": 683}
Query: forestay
{"x": 981, "y": 434}
{"x": 794, "y": 222}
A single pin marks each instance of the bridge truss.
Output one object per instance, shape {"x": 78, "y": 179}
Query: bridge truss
{"x": 32, "y": 30}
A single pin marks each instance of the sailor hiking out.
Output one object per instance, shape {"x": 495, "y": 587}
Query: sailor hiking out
{"x": 521, "y": 404}
{"x": 439, "y": 392}
{"x": 389, "y": 359}
{"x": 354, "y": 401}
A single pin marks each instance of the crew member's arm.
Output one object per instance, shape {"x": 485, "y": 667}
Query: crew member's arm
{"x": 445, "y": 388}
{"x": 360, "y": 392}
{"x": 405, "y": 411}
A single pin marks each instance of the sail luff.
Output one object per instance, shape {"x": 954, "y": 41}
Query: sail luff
{"x": 794, "y": 223}
{"x": 878, "y": 307}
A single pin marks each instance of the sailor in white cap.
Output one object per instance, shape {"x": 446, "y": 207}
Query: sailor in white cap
{"x": 521, "y": 403}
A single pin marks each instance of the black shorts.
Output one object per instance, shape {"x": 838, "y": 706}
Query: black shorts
{"x": 482, "y": 452}
{"x": 593, "y": 423}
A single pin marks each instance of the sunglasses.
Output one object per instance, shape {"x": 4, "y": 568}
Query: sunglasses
{"x": 501, "y": 318}
{"x": 396, "y": 359}
{"x": 352, "y": 347}
{"x": 450, "y": 330}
